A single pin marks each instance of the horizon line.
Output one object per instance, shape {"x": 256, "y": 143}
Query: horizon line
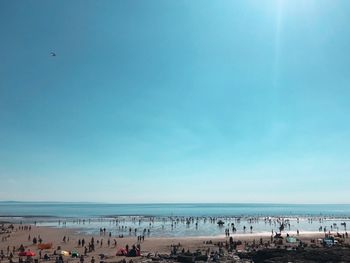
{"x": 168, "y": 203}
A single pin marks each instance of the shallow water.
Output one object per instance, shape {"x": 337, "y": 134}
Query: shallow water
{"x": 170, "y": 220}
{"x": 182, "y": 227}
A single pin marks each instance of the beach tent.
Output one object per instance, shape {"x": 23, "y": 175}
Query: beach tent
{"x": 27, "y": 254}
{"x": 291, "y": 240}
{"x": 75, "y": 254}
{"x": 329, "y": 242}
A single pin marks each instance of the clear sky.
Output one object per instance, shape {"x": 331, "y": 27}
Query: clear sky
{"x": 175, "y": 101}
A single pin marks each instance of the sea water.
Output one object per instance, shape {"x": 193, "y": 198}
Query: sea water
{"x": 44, "y": 209}
{"x": 178, "y": 220}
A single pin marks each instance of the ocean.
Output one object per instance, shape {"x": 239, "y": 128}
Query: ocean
{"x": 50, "y": 209}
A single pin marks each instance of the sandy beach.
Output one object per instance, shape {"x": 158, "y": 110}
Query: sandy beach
{"x": 69, "y": 240}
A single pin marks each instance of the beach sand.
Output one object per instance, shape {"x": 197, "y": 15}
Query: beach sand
{"x": 150, "y": 245}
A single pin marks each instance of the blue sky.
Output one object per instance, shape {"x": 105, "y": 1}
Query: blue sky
{"x": 175, "y": 101}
